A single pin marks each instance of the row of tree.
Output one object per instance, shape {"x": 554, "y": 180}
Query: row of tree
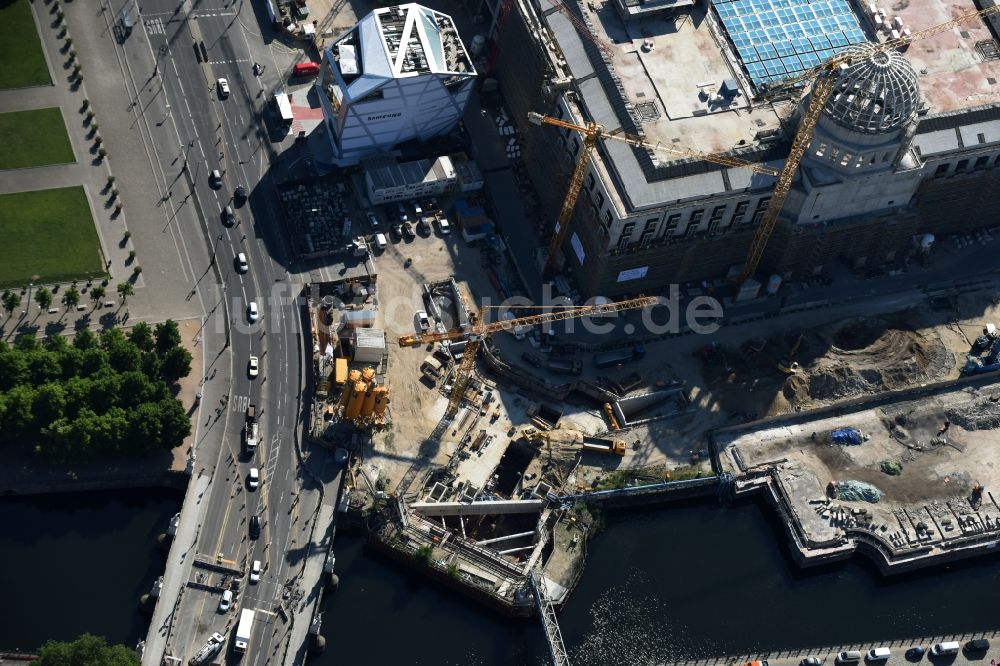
{"x": 106, "y": 395}
{"x": 11, "y": 300}
{"x": 87, "y": 650}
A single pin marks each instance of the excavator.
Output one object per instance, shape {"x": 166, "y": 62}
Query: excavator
{"x": 573, "y": 438}
{"x": 787, "y": 364}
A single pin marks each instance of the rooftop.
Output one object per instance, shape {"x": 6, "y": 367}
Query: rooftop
{"x": 399, "y": 41}
{"x": 669, "y": 77}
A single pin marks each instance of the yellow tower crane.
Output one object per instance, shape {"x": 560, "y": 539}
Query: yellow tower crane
{"x": 591, "y": 133}
{"x": 474, "y": 333}
{"x": 823, "y": 77}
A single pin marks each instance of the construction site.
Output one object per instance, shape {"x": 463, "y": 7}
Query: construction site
{"x": 486, "y": 441}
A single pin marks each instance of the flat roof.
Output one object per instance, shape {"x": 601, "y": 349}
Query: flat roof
{"x": 665, "y": 72}
{"x": 950, "y": 68}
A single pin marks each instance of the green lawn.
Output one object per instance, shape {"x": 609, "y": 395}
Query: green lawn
{"x": 33, "y": 138}
{"x": 49, "y": 234}
{"x": 20, "y": 48}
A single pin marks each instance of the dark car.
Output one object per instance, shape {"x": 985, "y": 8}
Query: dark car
{"x": 423, "y": 228}
{"x": 810, "y": 661}
{"x": 254, "y": 526}
{"x": 240, "y": 195}
{"x": 396, "y": 232}
{"x": 408, "y": 231}
{"x": 915, "y": 653}
{"x": 215, "y": 179}
{"x": 531, "y": 359}
{"x": 977, "y": 645}
{"x": 228, "y": 217}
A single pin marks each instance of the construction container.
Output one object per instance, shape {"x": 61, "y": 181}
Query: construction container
{"x": 381, "y": 400}
{"x": 369, "y": 345}
{"x": 368, "y": 406}
{"x": 356, "y": 401}
{"x": 358, "y": 319}
{"x": 340, "y": 371}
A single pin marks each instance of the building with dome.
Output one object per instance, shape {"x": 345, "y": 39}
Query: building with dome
{"x": 400, "y": 74}
{"x": 907, "y": 145}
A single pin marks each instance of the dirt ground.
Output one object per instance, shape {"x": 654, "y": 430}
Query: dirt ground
{"x": 935, "y": 471}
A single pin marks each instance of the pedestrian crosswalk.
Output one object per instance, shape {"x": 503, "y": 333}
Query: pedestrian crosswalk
{"x": 227, "y": 62}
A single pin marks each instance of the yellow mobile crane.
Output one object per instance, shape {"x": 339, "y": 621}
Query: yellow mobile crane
{"x": 474, "y": 333}
{"x": 824, "y": 78}
{"x": 591, "y": 133}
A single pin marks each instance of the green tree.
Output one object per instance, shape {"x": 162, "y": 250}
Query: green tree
{"x": 11, "y": 301}
{"x": 141, "y": 335}
{"x": 168, "y": 336}
{"x": 125, "y": 290}
{"x": 175, "y": 425}
{"x": 97, "y": 293}
{"x": 85, "y": 339}
{"x": 71, "y": 298}
{"x": 85, "y": 650}
{"x": 176, "y": 364}
{"x": 44, "y": 298}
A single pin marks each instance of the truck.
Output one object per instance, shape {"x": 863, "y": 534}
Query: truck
{"x": 564, "y": 366}
{"x": 619, "y": 357}
{"x": 209, "y": 650}
{"x": 602, "y": 445}
{"x": 251, "y": 429}
{"x": 243, "y": 631}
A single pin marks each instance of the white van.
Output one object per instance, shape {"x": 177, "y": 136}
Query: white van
{"x": 380, "y": 242}
{"x": 879, "y": 654}
{"x": 948, "y": 647}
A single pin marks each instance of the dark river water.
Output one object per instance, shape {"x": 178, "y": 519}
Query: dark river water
{"x": 661, "y": 585}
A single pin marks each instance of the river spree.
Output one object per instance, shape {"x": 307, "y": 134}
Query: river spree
{"x": 661, "y": 585}
{"x": 76, "y": 563}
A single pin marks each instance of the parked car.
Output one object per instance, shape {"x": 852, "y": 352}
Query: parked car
{"x": 423, "y": 228}
{"x": 849, "y": 656}
{"x": 254, "y": 526}
{"x": 241, "y": 263}
{"x": 977, "y": 645}
{"x": 255, "y": 572}
{"x": 397, "y": 232}
{"x": 223, "y": 86}
{"x": 423, "y": 321}
{"x": 215, "y": 179}
{"x": 252, "y": 312}
{"x": 915, "y": 653}
{"x": 408, "y": 231}
{"x": 226, "y": 602}
{"x": 444, "y": 226}
{"x": 253, "y": 367}
{"x": 253, "y": 479}
{"x": 531, "y": 359}
{"x": 401, "y": 212}
{"x": 418, "y": 212}
{"x": 878, "y": 654}
{"x": 228, "y": 217}
{"x": 810, "y": 661}
{"x": 372, "y": 219}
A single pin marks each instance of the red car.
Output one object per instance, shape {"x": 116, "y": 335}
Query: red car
{"x": 305, "y": 69}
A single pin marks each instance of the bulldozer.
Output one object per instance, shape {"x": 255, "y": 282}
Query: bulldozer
{"x": 787, "y": 364}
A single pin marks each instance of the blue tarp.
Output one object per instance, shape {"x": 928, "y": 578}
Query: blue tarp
{"x": 848, "y": 436}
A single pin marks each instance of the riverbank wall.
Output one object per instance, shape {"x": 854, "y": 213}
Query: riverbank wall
{"x": 168, "y": 479}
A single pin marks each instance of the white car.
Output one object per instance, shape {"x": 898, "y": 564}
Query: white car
{"x": 372, "y": 220}
{"x": 255, "y": 572}
{"x": 254, "y": 479}
{"x": 226, "y": 602}
{"x": 223, "y": 85}
{"x": 253, "y": 367}
{"x": 241, "y": 263}
{"x": 252, "y": 312}
{"x": 422, "y": 321}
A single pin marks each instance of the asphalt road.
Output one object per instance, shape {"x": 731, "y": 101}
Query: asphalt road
{"x": 228, "y": 134}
